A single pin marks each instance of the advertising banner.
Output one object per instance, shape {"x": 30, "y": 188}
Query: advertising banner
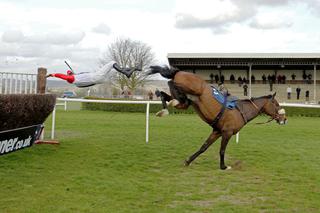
{"x": 13, "y": 140}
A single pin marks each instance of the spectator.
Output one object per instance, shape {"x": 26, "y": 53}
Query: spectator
{"x": 216, "y": 78}
{"x": 284, "y": 79}
{"x": 271, "y": 85}
{"x": 245, "y": 89}
{"x": 253, "y": 79}
{"x": 264, "y": 79}
{"x": 293, "y": 76}
{"x": 309, "y": 78}
{"x": 307, "y": 96}
{"x": 304, "y": 75}
{"x": 279, "y": 78}
{"x": 289, "y": 91}
{"x": 232, "y": 78}
{"x": 222, "y": 79}
{"x": 244, "y": 80}
{"x": 150, "y": 95}
{"x": 211, "y": 78}
{"x": 125, "y": 92}
{"x": 239, "y": 81}
{"x": 298, "y": 90}
{"x": 269, "y": 78}
{"x": 273, "y": 78}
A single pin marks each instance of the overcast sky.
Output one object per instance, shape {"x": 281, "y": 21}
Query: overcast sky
{"x": 36, "y": 33}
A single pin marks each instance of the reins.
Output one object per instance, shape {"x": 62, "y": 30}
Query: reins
{"x": 271, "y": 119}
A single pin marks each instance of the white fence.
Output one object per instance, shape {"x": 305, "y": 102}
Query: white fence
{"x": 18, "y": 83}
{"x": 104, "y": 101}
{"x": 147, "y": 110}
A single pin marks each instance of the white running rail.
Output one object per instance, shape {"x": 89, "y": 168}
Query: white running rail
{"x": 147, "y": 110}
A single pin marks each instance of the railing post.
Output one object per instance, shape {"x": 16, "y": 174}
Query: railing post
{"x": 11, "y": 82}
{"x": 16, "y": 84}
{"x": 41, "y": 80}
{"x": 26, "y": 84}
{"x": 31, "y": 84}
{"x": 1, "y": 83}
{"x": 237, "y": 137}
{"x": 65, "y": 105}
{"x": 6, "y": 84}
{"x": 35, "y": 79}
{"x": 53, "y": 122}
{"x": 315, "y": 83}
{"x": 147, "y": 122}
{"x": 250, "y": 73}
{"x": 20, "y": 83}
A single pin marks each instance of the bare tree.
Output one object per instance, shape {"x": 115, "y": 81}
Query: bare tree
{"x": 129, "y": 53}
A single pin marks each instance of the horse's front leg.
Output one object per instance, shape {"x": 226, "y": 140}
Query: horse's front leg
{"x": 179, "y": 98}
{"x": 211, "y": 139}
{"x": 226, "y": 135}
{"x": 164, "y": 99}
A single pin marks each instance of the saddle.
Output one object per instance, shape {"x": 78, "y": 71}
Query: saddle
{"x": 231, "y": 101}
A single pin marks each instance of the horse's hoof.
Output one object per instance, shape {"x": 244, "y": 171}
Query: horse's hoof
{"x": 186, "y": 163}
{"x": 173, "y": 102}
{"x": 162, "y": 113}
{"x": 225, "y": 167}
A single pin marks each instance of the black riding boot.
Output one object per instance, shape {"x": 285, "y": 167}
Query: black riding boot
{"x": 126, "y": 71}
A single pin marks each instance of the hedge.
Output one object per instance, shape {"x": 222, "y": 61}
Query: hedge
{"x": 21, "y": 110}
{"x": 300, "y": 111}
{"x": 290, "y": 111}
{"x": 129, "y": 107}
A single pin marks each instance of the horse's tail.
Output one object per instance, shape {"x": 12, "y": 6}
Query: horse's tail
{"x": 165, "y": 71}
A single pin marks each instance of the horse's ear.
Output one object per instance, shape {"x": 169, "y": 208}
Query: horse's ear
{"x": 274, "y": 95}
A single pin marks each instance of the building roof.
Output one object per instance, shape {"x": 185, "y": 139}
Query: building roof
{"x": 245, "y": 55}
{"x": 238, "y": 60}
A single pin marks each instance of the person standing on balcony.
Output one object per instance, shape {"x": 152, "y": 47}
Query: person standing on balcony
{"x": 289, "y": 91}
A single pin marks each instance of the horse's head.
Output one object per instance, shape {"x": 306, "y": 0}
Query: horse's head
{"x": 273, "y": 109}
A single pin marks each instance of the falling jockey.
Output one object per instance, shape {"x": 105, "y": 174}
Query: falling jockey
{"x": 87, "y": 79}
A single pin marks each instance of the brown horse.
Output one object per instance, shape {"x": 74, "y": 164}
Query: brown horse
{"x": 188, "y": 89}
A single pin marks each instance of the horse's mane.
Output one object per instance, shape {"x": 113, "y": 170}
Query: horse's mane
{"x": 256, "y": 98}
{"x": 262, "y": 97}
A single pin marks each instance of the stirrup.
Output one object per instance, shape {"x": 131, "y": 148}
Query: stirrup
{"x": 173, "y": 102}
{"x": 162, "y": 113}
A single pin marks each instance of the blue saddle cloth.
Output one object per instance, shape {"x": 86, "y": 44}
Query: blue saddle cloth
{"x": 231, "y": 102}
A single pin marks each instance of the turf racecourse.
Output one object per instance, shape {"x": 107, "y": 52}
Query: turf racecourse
{"x": 104, "y": 165}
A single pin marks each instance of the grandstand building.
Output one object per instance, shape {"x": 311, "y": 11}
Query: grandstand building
{"x": 282, "y": 69}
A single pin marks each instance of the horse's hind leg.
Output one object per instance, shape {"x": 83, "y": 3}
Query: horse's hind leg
{"x": 211, "y": 139}
{"x": 224, "y": 142}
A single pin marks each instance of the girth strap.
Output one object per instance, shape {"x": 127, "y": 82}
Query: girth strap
{"x": 218, "y": 117}
{"x": 242, "y": 114}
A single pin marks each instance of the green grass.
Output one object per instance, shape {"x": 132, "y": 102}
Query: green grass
{"x": 104, "y": 165}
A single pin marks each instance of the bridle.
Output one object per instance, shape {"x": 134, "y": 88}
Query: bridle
{"x": 274, "y": 116}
